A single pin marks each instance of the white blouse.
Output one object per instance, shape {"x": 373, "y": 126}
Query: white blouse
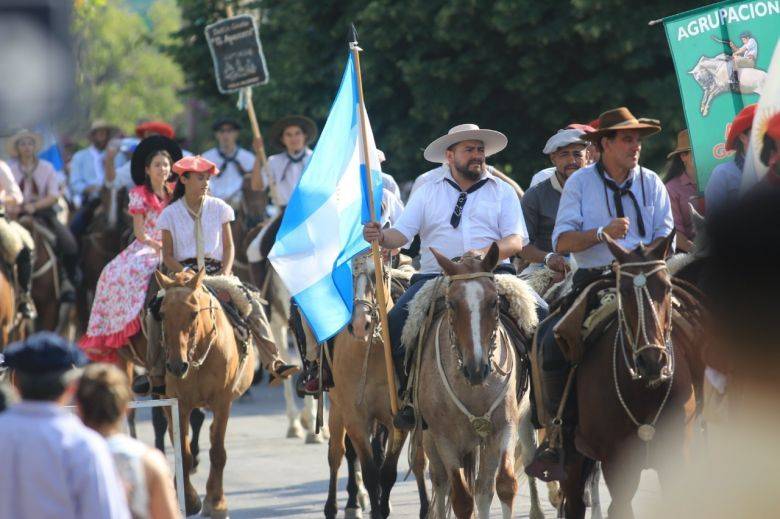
{"x": 176, "y": 219}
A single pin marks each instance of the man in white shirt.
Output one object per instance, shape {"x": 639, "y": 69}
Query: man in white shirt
{"x": 461, "y": 208}
{"x": 53, "y": 465}
{"x": 233, "y": 162}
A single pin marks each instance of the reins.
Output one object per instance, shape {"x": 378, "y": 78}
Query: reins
{"x": 212, "y": 336}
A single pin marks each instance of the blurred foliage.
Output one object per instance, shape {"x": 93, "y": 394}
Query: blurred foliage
{"x": 123, "y": 74}
{"x": 523, "y": 67}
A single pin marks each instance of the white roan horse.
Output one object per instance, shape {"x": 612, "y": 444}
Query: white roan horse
{"x": 279, "y": 318}
{"x": 712, "y": 75}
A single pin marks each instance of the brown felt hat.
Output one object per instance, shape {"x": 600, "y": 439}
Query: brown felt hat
{"x": 683, "y": 144}
{"x": 622, "y": 119}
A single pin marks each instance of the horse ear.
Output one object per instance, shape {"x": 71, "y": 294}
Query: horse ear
{"x": 663, "y": 248}
{"x": 446, "y": 265}
{"x": 698, "y": 220}
{"x": 197, "y": 279}
{"x": 490, "y": 260}
{"x": 619, "y": 252}
{"x": 163, "y": 280}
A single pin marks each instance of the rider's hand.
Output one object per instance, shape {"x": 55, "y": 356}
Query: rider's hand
{"x": 617, "y": 228}
{"x": 557, "y": 263}
{"x": 372, "y": 231}
{"x": 258, "y": 145}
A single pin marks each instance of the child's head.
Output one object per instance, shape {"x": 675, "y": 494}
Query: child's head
{"x": 102, "y": 396}
{"x": 158, "y": 168}
{"x": 194, "y": 175}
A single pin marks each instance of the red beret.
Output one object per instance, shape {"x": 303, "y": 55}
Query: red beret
{"x": 773, "y": 127}
{"x": 158, "y": 127}
{"x": 194, "y": 164}
{"x": 587, "y": 128}
{"x": 741, "y": 123}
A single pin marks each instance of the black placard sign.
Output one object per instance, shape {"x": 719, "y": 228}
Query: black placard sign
{"x": 237, "y": 54}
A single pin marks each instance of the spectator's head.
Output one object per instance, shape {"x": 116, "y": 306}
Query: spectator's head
{"x": 102, "y": 396}
{"x": 43, "y": 366}
{"x": 226, "y": 131}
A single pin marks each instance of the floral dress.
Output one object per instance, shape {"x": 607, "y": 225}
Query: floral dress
{"x": 122, "y": 286}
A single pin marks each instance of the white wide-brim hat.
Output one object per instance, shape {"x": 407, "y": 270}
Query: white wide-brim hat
{"x": 494, "y": 141}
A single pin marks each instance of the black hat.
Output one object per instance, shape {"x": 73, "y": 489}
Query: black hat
{"x": 304, "y": 123}
{"x": 223, "y": 121}
{"x": 42, "y": 353}
{"x": 147, "y": 147}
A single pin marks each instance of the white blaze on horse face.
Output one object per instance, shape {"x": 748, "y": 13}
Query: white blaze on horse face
{"x": 474, "y": 294}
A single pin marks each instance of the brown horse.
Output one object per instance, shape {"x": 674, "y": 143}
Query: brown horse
{"x": 7, "y": 309}
{"x": 248, "y": 219}
{"x": 360, "y": 399}
{"x": 46, "y": 279}
{"x": 636, "y": 385}
{"x": 205, "y": 369}
{"x": 474, "y": 371}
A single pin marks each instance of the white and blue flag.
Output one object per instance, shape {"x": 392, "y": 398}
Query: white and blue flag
{"x": 322, "y": 230}
{"x": 50, "y": 150}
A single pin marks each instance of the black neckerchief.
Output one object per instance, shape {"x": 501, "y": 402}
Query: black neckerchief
{"x": 227, "y": 160}
{"x": 458, "y": 211}
{"x": 290, "y": 161}
{"x": 619, "y": 192}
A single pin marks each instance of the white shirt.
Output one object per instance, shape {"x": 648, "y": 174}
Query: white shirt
{"x": 286, "y": 174}
{"x": 8, "y": 186}
{"x": 54, "y": 466}
{"x": 227, "y": 185}
{"x": 392, "y": 206}
{"x": 176, "y": 219}
{"x": 541, "y": 176}
{"x": 429, "y": 175}
{"x": 491, "y": 213}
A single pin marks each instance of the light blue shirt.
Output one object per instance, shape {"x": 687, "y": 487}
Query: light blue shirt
{"x": 723, "y": 186}
{"x": 86, "y": 169}
{"x": 584, "y": 207}
{"x": 51, "y": 465}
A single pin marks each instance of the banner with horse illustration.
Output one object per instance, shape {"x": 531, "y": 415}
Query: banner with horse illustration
{"x": 721, "y": 53}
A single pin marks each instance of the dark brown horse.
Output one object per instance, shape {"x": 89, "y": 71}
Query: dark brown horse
{"x": 248, "y": 219}
{"x": 636, "y": 385}
{"x": 46, "y": 278}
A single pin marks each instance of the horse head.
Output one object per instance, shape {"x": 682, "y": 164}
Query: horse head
{"x": 365, "y": 326}
{"x": 186, "y": 332}
{"x": 472, "y": 310}
{"x": 644, "y": 305}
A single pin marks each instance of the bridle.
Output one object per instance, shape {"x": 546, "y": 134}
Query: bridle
{"x": 370, "y": 306}
{"x": 453, "y": 339}
{"x": 212, "y": 336}
{"x": 640, "y": 341}
{"x": 645, "y": 431}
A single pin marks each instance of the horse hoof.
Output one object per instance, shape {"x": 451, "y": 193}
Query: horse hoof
{"x": 536, "y": 514}
{"x": 353, "y": 513}
{"x": 325, "y": 432}
{"x": 193, "y": 507}
{"x": 312, "y": 438}
{"x": 295, "y": 430}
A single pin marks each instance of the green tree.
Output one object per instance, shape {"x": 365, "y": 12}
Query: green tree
{"x": 123, "y": 75}
{"x": 525, "y": 68}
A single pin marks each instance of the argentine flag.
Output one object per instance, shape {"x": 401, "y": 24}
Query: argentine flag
{"x": 322, "y": 230}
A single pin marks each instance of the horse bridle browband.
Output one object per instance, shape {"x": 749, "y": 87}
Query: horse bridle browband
{"x": 453, "y": 340}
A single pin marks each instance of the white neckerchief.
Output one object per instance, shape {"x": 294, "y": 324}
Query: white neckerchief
{"x": 556, "y": 184}
{"x": 199, "y": 254}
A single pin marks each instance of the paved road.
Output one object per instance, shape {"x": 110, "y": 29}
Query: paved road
{"x": 268, "y": 475}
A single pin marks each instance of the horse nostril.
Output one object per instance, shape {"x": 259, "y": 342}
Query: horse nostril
{"x": 485, "y": 370}
{"x": 368, "y": 325}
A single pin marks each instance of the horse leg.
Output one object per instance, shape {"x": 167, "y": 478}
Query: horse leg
{"x": 215, "y": 504}
{"x": 389, "y": 471}
{"x": 418, "y": 467}
{"x": 279, "y": 331}
{"x": 505, "y": 482}
{"x": 197, "y": 416}
{"x": 336, "y": 449}
{"x": 160, "y": 424}
{"x": 309, "y": 418}
{"x": 622, "y": 481}
{"x": 362, "y": 445}
{"x": 192, "y": 502}
{"x": 526, "y": 446}
{"x": 356, "y": 492}
{"x": 573, "y": 488}
{"x": 593, "y": 485}
{"x": 439, "y": 479}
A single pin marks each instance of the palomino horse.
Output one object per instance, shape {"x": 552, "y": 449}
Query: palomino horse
{"x": 205, "y": 369}
{"x": 474, "y": 371}
{"x": 360, "y": 400}
{"x": 7, "y": 309}
{"x": 646, "y": 411}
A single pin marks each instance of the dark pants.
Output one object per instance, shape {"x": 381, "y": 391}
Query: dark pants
{"x": 67, "y": 247}
{"x": 83, "y": 217}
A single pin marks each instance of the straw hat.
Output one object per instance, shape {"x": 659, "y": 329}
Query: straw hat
{"x": 683, "y": 143}
{"x": 304, "y": 123}
{"x": 437, "y": 150}
{"x": 622, "y": 119}
{"x": 10, "y": 143}
{"x": 100, "y": 124}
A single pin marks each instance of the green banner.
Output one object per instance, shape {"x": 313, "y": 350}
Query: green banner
{"x": 721, "y": 53}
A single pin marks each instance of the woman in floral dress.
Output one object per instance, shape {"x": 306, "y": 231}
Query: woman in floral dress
{"x": 123, "y": 284}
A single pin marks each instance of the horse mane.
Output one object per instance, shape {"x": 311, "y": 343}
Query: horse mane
{"x": 519, "y": 294}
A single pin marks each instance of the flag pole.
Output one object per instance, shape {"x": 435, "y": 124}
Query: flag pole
{"x": 375, "y": 252}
